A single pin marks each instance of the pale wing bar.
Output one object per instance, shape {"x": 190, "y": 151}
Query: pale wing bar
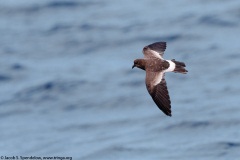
{"x": 159, "y": 92}
{"x": 159, "y": 47}
{"x": 161, "y": 97}
{"x": 155, "y": 50}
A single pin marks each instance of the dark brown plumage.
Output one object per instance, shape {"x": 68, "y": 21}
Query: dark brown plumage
{"x": 155, "y": 67}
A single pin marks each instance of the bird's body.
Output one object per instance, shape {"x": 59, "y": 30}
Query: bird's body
{"x": 156, "y": 67}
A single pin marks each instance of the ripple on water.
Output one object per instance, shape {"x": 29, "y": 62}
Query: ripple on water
{"x": 214, "y": 20}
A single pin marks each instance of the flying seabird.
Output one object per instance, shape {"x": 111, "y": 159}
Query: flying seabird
{"x": 156, "y": 67}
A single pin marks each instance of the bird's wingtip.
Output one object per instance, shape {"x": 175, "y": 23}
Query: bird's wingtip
{"x": 169, "y": 114}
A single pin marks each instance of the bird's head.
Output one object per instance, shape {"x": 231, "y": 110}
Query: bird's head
{"x": 139, "y": 63}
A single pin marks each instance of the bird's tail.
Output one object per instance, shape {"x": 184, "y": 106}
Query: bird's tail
{"x": 179, "y": 67}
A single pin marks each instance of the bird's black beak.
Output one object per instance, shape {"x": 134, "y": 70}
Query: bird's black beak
{"x": 133, "y": 66}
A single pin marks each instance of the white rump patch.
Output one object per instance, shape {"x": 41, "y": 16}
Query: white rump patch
{"x": 171, "y": 67}
{"x": 156, "y": 54}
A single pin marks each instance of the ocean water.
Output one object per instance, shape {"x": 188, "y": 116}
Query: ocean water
{"x": 67, "y": 87}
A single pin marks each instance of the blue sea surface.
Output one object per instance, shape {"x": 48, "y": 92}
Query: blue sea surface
{"x": 67, "y": 87}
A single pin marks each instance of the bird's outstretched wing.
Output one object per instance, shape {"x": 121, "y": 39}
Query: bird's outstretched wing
{"x": 155, "y": 50}
{"x": 157, "y": 88}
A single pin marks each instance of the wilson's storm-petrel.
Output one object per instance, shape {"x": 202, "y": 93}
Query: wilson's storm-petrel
{"x": 155, "y": 67}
